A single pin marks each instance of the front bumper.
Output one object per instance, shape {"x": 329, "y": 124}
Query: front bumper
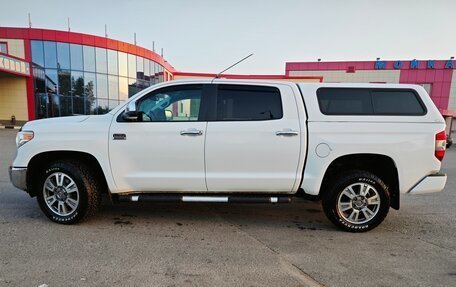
{"x": 18, "y": 177}
{"x": 429, "y": 184}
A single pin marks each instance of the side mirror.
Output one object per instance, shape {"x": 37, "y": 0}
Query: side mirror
{"x": 131, "y": 107}
{"x": 132, "y": 116}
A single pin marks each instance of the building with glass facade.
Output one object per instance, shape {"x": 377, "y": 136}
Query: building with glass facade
{"x": 57, "y": 73}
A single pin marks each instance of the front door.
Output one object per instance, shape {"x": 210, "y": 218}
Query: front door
{"x": 163, "y": 152}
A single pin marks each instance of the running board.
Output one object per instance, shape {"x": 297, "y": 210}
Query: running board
{"x": 199, "y": 198}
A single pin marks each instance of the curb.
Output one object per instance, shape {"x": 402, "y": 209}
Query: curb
{"x": 10, "y": 127}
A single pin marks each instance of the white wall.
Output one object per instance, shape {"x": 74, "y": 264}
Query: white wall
{"x": 360, "y": 76}
{"x": 15, "y": 47}
{"x": 452, "y": 100}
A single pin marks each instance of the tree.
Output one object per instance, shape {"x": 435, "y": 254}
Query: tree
{"x": 89, "y": 97}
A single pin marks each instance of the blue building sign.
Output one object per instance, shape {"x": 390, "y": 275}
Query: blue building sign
{"x": 380, "y": 64}
{"x": 414, "y": 64}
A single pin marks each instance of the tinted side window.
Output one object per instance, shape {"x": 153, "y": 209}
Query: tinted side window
{"x": 396, "y": 102}
{"x": 353, "y": 101}
{"x": 248, "y": 103}
{"x": 335, "y": 101}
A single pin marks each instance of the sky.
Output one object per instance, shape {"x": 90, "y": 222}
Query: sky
{"x": 208, "y": 36}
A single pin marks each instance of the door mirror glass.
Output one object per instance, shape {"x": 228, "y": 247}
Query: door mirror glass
{"x": 132, "y": 116}
{"x": 169, "y": 115}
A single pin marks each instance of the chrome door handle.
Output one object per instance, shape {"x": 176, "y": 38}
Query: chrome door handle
{"x": 287, "y": 132}
{"x": 191, "y": 132}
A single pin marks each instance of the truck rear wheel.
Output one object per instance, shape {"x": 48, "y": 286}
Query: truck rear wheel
{"x": 356, "y": 201}
{"x": 68, "y": 192}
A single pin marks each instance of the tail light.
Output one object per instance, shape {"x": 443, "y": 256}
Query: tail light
{"x": 440, "y": 145}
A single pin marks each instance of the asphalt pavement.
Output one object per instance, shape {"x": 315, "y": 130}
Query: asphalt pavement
{"x": 176, "y": 244}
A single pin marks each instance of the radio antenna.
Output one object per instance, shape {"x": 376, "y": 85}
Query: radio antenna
{"x": 243, "y": 59}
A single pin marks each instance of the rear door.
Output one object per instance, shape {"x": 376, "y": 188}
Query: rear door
{"x": 254, "y": 143}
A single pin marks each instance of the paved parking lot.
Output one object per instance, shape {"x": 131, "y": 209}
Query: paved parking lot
{"x": 225, "y": 244}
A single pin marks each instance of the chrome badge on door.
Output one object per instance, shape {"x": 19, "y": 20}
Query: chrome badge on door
{"x": 119, "y": 136}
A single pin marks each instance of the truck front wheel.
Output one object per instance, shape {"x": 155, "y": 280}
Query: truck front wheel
{"x": 356, "y": 201}
{"x": 68, "y": 192}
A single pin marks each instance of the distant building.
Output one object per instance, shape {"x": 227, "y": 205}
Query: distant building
{"x": 436, "y": 76}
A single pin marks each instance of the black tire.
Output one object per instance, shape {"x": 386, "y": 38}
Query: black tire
{"x": 337, "y": 190}
{"x": 88, "y": 191}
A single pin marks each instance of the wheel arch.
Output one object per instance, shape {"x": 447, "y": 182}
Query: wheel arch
{"x": 41, "y": 160}
{"x": 381, "y": 165}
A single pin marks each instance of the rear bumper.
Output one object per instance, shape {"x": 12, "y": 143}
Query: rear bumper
{"x": 429, "y": 184}
{"x": 18, "y": 177}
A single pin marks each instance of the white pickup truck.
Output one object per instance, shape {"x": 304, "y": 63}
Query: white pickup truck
{"x": 354, "y": 146}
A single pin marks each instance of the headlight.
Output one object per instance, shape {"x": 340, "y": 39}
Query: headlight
{"x": 23, "y": 137}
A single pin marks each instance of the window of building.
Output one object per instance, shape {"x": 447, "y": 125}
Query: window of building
{"x": 64, "y": 78}
{"x": 63, "y": 56}
{"x": 140, "y": 68}
{"x": 64, "y": 92}
{"x": 101, "y": 60}
{"x": 81, "y": 104}
{"x": 112, "y": 62}
{"x": 181, "y": 103}
{"x": 132, "y": 87}
{"x": 161, "y": 75}
{"x": 358, "y": 101}
{"x": 39, "y": 79}
{"x": 77, "y": 84}
{"x": 123, "y": 64}
{"x": 146, "y": 69}
{"x": 102, "y": 86}
{"x": 123, "y": 88}
{"x": 131, "y": 66}
{"x": 113, "y": 87}
{"x": 52, "y": 82}
{"x": 50, "y": 54}
{"x": 89, "y": 58}
{"x": 248, "y": 103}
{"x": 76, "y": 57}
{"x": 37, "y": 53}
{"x": 153, "y": 73}
{"x": 90, "y": 92}
{"x": 153, "y": 67}
{"x": 4, "y": 47}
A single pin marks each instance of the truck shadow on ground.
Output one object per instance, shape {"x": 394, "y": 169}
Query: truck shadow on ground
{"x": 301, "y": 214}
